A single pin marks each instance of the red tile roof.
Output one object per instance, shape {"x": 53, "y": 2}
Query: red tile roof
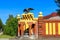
{"x": 51, "y": 15}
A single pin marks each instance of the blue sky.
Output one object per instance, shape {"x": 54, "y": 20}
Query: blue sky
{"x": 15, "y": 7}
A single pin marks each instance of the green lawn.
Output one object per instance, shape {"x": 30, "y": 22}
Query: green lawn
{"x": 7, "y": 36}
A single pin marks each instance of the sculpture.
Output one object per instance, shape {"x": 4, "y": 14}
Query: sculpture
{"x": 27, "y": 10}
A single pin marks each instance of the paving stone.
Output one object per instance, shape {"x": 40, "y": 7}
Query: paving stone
{"x": 40, "y": 38}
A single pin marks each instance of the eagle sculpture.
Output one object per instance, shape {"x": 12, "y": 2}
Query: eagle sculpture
{"x": 27, "y": 10}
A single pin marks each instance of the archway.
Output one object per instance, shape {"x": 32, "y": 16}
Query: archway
{"x": 32, "y": 29}
{"x": 26, "y": 29}
{"x": 26, "y": 32}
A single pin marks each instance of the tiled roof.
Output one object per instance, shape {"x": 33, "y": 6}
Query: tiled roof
{"x": 51, "y": 15}
{"x": 54, "y": 18}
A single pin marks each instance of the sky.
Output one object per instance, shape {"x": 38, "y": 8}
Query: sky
{"x": 15, "y": 7}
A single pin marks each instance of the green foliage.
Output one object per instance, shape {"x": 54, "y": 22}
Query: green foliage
{"x": 58, "y": 12}
{"x": 11, "y": 26}
{"x": 1, "y": 25}
{"x": 7, "y": 36}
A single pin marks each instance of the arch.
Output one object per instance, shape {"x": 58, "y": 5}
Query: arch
{"x": 33, "y": 25}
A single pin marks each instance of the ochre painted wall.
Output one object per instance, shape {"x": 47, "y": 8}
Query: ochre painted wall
{"x": 58, "y": 28}
{"x": 54, "y": 29}
{"x": 50, "y": 28}
{"x": 46, "y": 28}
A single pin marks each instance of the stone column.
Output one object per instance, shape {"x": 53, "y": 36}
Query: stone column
{"x": 22, "y": 31}
{"x": 18, "y": 31}
{"x": 36, "y": 29}
{"x": 30, "y": 30}
{"x": 56, "y": 28}
{"x": 44, "y": 29}
{"x": 30, "y": 24}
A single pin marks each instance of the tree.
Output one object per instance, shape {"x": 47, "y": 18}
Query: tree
{"x": 58, "y": 4}
{"x": 58, "y": 12}
{"x": 11, "y": 26}
{"x": 1, "y": 25}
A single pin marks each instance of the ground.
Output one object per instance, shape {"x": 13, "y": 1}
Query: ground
{"x": 6, "y": 36}
{"x": 49, "y": 38}
{"x": 27, "y": 38}
{"x": 40, "y": 38}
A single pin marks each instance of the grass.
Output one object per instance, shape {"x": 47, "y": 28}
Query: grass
{"x": 6, "y": 36}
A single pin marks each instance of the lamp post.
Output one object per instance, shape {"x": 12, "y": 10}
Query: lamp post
{"x": 18, "y": 18}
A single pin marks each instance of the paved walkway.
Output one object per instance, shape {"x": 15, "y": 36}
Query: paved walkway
{"x": 25, "y": 37}
{"x": 40, "y": 38}
{"x": 49, "y": 38}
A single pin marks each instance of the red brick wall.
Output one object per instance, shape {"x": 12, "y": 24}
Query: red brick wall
{"x": 42, "y": 27}
{"x": 35, "y": 29}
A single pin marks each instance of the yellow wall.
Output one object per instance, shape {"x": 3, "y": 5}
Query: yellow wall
{"x": 54, "y": 30}
{"x": 46, "y": 28}
{"x": 59, "y": 28}
{"x": 26, "y": 26}
{"x": 50, "y": 28}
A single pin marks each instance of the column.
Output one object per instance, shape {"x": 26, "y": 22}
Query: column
{"x": 22, "y": 29}
{"x": 30, "y": 30}
{"x": 50, "y": 28}
{"x": 43, "y": 29}
{"x": 18, "y": 31}
{"x": 56, "y": 28}
{"x": 36, "y": 29}
{"x": 47, "y": 28}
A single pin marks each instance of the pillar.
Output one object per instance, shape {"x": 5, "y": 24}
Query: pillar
{"x": 30, "y": 30}
{"x": 18, "y": 31}
{"x": 36, "y": 29}
{"x": 56, "y": 28}
{"x": 43, "y": 29}
{"x": 22, "y": 31}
